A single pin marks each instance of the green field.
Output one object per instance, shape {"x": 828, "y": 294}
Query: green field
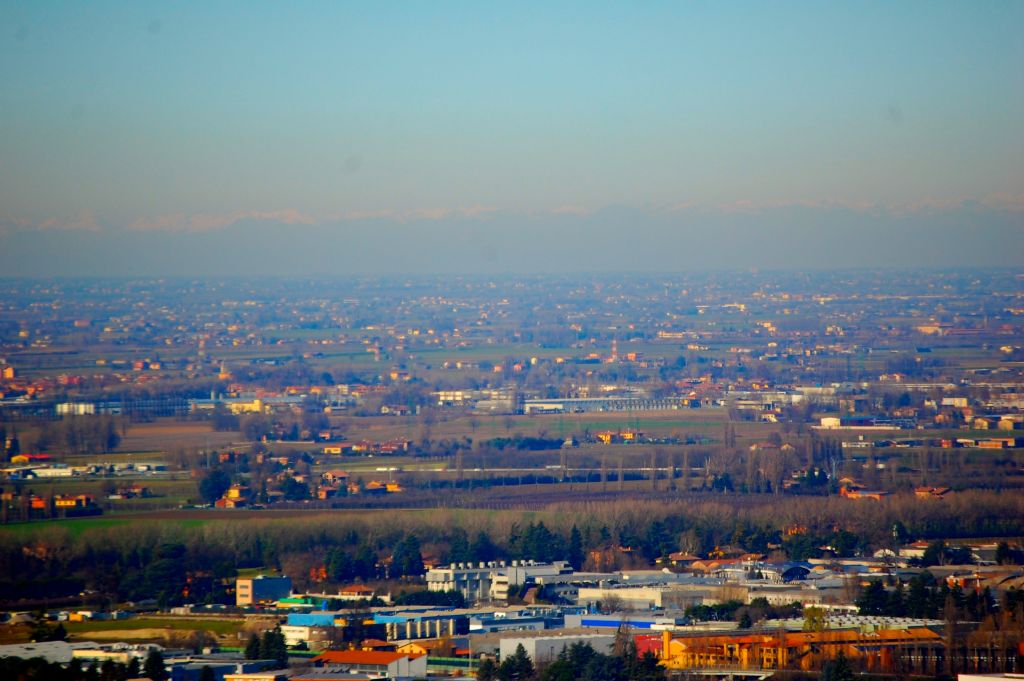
{"x": 648, "y": 423}
{"x": 75, "y": 527}
{"x": 221, "y": 626}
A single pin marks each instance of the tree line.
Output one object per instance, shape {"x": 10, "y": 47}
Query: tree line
{"x": 154, "y": 668}
{"x": 577, "y": 662}
{"x": 174, "y": 562}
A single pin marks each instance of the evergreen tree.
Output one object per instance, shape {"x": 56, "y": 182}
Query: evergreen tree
{"x": 873, "y": 599}
{"x": 517, "y": 666}
{"x": 252, "y": 648}
{"x": 340, "y": 567}
{"x": 648, "y": 668}
{"x": 460, "y": 551}
{"x": 837, "y": 669}
{"x": 935, "y": 554}
{"x": 656, "y": 541}
{"x": 515, "y": 538}
{"x": 406, "y": 561}
{"x": 578, "y": 655}
{"x": 278, "y": 649}
{"x": 538, "y": 543}
{"x": 483, "y": 549}
{"x": 274, "y": 648}
{"x": 896, "y": 605}
{"x": 365, "y": 563}
{"x": 155, "y": 668}
{"x": 575, "y": 554}
{"x": 487, "y": 671}
{"x": 213, "y": 485}
{"x": 559, "y": 670}
{"x": 917, "y": 597}
{"x": 605, "y": 668}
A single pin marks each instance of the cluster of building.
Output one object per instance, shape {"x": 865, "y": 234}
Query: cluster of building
{"x": 368, "y": 448}
{"x": 44, "y": 466}
{"x": 654, "y": 599}
{"x": 547, "y": 607}
{"x": 29, "y": 506}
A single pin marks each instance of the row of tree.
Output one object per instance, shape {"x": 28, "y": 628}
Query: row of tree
{"x": 80, "y": 434}
{"x": 154, "y": 668}
{"x": 577, "y": 662}
{"x": 925, "y": 597}
{"x": 269, "y": 646}
{"x": 173, "y": 561}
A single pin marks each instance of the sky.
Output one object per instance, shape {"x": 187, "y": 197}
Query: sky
{"x": 344, "y": 137}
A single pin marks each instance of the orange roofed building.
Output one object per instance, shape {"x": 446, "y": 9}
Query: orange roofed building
{"x": 858, "y": 493}
{"x": 374, "y": 662}
{"x": 931, "y": 492}
{"x": 876, "y": 651}
{"x": 356, "y": 592}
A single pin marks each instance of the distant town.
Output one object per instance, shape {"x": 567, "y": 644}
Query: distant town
{"x": 724, "y": 475}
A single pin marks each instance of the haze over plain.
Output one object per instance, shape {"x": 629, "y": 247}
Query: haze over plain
{"x": 382, "y": 138}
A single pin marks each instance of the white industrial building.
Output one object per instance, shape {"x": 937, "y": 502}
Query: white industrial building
{"x": 491, "y": 581}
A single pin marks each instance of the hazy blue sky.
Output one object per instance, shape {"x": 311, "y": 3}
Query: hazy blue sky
{"x": 380, "y": 134}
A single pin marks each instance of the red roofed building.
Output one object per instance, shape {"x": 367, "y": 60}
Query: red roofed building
{"x": 931, "y": 492}
{"x": 356, "y": 592}
{"x": 31, "y": 458}
{"x": 374, "y": 662}
{"x": 377, "y": 644}
{"x": 648, "y": 643}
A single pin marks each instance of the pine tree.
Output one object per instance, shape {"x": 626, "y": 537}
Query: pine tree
{"x": 559, "y": 670}
{"x": 406, "y": 560}
{"x": 516, "y": 667}
{"x": 483, "y": 548}
{"x": 252, "y": 648}
{"x": 277, "y": 650}
{"x": 648, "y": 668}
{"x": 365, "y": 563}
{"x": 745, "y": 621}
{"x": 837, "y": 669}
{"x": 896, "y": 605}
{"x": 487, "y": 671}
{"x": 873, "y": 599}
{"x": 575, "y": 554}
{"x": 460, "y": 551}
{"x": 154, "y": 668}
{"x": 917, "y": 597}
